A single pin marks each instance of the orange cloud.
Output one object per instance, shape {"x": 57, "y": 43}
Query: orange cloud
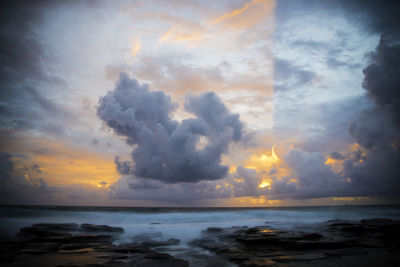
{"x": 262, "y": 162}
{"x": 62, "y": 163}
{"x": 237, "y": 12}
{"x": 248, "y": 15}
{"x": 335, "y": 164}
{"x": 136, "y": 45}
{"x": 188, "y": 32}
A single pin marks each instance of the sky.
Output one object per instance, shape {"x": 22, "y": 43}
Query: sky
{"x": 200, "y": 103}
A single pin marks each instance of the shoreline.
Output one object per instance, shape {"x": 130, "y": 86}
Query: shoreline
{"x": 334, "y": 243}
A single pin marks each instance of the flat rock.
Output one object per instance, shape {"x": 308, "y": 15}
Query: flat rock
{"x": 265, "y": 246}
{"x": 376, "y": 221}
{"x": 214, "y": 229}
{"x": 57, "y": 226}
{"x": 301, "y": 257}
{"x": 131, "y": 248}
{"x": 29, "y": 232}
{"x": 156, "y": 243}
{"x": 52, "y": 245}
{"x": 100, "y": 228}
{"x": 88, "y": 238}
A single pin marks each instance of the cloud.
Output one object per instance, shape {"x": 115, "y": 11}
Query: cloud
{"x": 6, "y": 166}
{"x": 378, "y": 129}
{"x": 288, "y": 76}
{"x": 245, "y": 182}
{"x": 165, "y": 149}
{"x": 16, "y": 188}
{"x": 124, "y": 167}
{"x": 372, "y": 166}
{"x": 250, "y": 14}
{"x": 382, "y": 79}
{"x": 336, "y": 155}
{"x": 25, "y": 72}
{"x": 133, "y": 188}
{"x": 377, "y": 16}
{"x": 313, "y": 177}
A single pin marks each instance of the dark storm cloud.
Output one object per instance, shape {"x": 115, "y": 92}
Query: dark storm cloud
{"x": 6, "y": 166}
{"x": 24, "y": 72}
{"x": 378, "y": 129}
{"x": 165, "y": 149}
{"x": 374, "y": 168}
{"x": 382, "y": 78}
{"x": 21, "y": 51}
{"x": 378, "y": 16}
{"x": 374, "y": 128}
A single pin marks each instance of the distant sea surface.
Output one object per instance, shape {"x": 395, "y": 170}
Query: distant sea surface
{"x": 185, "y": 223}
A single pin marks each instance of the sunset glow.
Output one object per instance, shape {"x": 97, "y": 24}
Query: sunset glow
{"x": 199, "y": 103}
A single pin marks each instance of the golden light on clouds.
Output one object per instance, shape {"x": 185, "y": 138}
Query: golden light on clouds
{"x": 264, "y": 184}
{"x": 183, "y": 33}
{"x": 91, "y": 169}
{"x": 236, "y": 12}
{"x": 258, "y": 201}
{"x": 262, "y": 161}
{"x": 335, "y": 164}
{"x": 63, "y": 164}
{"x": 136, "y": 45}
{"x": 248, "y": 15}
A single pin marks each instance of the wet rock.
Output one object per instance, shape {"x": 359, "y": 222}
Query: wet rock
{"x": 100, "y": 228}
{"x": 301, "y": 257}
{"x": 376, "y": 221}
{"x": 65, "y": 245}
{"x": 156, "y": 243}
{"x": 312, "y": 236}
{"x": 131, "y": 248}
{"x": 37, "y": 232}
{"x": 265, "y": 246}
{"x": 214, "y": 229}
{"x": 75, "y": 251}
{"x": 158, "y": 256}
{"x": 157, "y": 260}
{"x": 67, "y": 227}
{"x": 90, "y": 238}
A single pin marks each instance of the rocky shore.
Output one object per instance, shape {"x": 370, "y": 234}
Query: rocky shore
{"x": 336, "y": 243}
{"x": 71, "y": 245}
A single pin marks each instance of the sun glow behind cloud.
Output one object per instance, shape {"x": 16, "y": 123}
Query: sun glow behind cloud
{"x": 62, "y": 164}
{"x": 292, "y": 72}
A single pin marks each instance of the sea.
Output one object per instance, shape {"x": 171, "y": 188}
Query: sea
{"x": 186, "y": 224}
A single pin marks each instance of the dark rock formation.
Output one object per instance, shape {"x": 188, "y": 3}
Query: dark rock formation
{"x": 156, "y": 243}
{"x": 100, "y": 228}
{"x": 264, "y": 246}
{"x": 59, "y": 245}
